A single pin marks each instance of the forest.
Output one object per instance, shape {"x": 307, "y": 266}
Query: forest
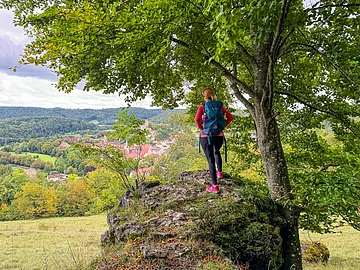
{"x": 102, "y": 116}
{"x": 19, "y": 124}
{"x": 91, "y": 187}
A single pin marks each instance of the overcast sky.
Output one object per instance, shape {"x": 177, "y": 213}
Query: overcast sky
{"x": 34, "y": 86}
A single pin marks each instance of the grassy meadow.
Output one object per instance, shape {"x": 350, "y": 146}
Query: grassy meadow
{"x": 71, "y": 243}
{"x": 53, "y": 243}
{"x": 344, "y": 246}
{"x": 41, "y": 156}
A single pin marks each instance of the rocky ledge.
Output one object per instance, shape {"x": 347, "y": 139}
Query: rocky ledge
{"x": 181, "y": 226}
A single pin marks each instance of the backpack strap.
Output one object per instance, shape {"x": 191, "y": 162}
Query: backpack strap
{"x": 225, "y": 149}
{"x": 199, "y": 141}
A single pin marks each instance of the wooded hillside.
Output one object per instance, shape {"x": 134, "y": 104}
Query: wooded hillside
{"x": 103, "y": 116}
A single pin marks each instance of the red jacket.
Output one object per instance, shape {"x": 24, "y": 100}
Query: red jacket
{"x": 201, "y": 111}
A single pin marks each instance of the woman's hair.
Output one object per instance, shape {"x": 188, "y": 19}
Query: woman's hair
{"x": 209, "y": 93}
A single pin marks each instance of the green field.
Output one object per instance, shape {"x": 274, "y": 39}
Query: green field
{"x": 41, "y": 156}
{"x": 53, "y": 243}
{"x": 71, "y": 243}
{"x": 344, "y": 246}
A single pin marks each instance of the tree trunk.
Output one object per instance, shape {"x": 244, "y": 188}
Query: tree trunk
{"x": 272, "y": 154}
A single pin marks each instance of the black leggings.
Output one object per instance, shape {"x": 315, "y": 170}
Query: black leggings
{"x": 212, "y": 153}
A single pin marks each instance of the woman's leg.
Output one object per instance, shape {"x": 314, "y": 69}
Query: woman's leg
{"x": 209, "y": 153}
{"x": 217, "y": 141}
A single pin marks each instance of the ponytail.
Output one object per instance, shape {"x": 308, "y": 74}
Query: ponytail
{"x": 209, "y": 93}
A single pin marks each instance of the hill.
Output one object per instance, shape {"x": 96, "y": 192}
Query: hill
{"x": 102, "y": 116}
{"x": 165, "y": 116}
{"x": 19, "y": 129}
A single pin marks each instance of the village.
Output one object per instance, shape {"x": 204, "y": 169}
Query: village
{"x": 154, "y": 149}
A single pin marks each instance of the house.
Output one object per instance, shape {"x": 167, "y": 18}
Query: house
{"x": 64, "y": 145}
{"x": 143, "y": 171}
{"x": 31, "y": 172}
{"x": 57, "y": 177}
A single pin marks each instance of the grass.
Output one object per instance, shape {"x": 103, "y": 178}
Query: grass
{"x": 53, "y": 243}
{"x": 71, "y": 243}
{"x": 344, "y": 246}
{"x": 41, "y": 156}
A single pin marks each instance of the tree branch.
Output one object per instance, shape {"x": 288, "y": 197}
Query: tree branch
{"x": 318, "y": 51}
{"x": 280, "y": 26}
{"x": 246, "y": 54}
{"x": 180, "y": 42}
{"x": 231, "y": 78}
{"x": 334, "y": 114}
{"x": 239, "y": 95}
{"x": 243, "y": 100}
{"x": 200, "y": 9}
{"x": 330, "y": 6}
{"x": 285, "y": 39}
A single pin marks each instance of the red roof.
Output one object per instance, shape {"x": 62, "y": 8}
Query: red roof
{"x": 64, "y": 144}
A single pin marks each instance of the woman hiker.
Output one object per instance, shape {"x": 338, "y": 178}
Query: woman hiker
{"x": 210, "y": 120}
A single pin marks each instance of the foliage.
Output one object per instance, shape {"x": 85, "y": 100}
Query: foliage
{"x": 182, "y": 156}
{"x": 127, "y": 129}
{"x": 315, "y": 252}
{"x": 25, "y": 128}
{"x": 75, "y": 198}
{"x": 11, "y": 185}
{"x": 34, "y": 201}
{"x": 243, "y": 149}
{"x": 107, "y": 188}
{"x": 324, "y": 179}
{"x": 322, "y": 169}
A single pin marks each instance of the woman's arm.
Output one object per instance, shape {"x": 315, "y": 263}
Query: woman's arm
{"x": 229, "y": 116}
{"x": 198, "y": 117}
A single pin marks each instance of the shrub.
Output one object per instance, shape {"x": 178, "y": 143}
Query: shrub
{"x": 314, "y": 252}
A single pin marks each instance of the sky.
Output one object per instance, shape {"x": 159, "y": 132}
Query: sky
{"x": 33, "y": 86}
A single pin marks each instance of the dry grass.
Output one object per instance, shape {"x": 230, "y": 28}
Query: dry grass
{"x": 54, "y": 243}
{"x": 344, "y": 246}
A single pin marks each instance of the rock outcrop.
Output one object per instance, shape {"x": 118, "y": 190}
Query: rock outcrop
{"x": 175, "y": 226}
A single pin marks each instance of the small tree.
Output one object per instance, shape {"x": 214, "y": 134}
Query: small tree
{"x": 128, "y": 130}
{"x": 11, "y": 185}
{"x": 75, "y": 198}
{"x": 35, "y": 201}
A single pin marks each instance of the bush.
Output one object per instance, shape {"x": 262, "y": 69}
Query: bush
{"x": 314, "y": 252}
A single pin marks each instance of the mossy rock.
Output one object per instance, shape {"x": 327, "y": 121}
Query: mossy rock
{"x": 314, "y": 252}
{"x": 245, "y": 234}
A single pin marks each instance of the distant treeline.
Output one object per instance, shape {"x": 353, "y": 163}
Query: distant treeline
{"x": 103, "y": 116}
{"x": 20, "y": 129}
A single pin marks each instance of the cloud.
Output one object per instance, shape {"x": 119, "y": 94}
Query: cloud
{"x": 32, "y": 86}
{"x": 34, "y": 92}
{"x": 7, "y": 28}
{"x": 12, "y": 43}
{"x": 10, "y": 54}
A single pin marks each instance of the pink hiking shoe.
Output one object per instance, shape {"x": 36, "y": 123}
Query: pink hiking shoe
{"x": 213, "y": 188}
{"x": 219, "y": 175}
